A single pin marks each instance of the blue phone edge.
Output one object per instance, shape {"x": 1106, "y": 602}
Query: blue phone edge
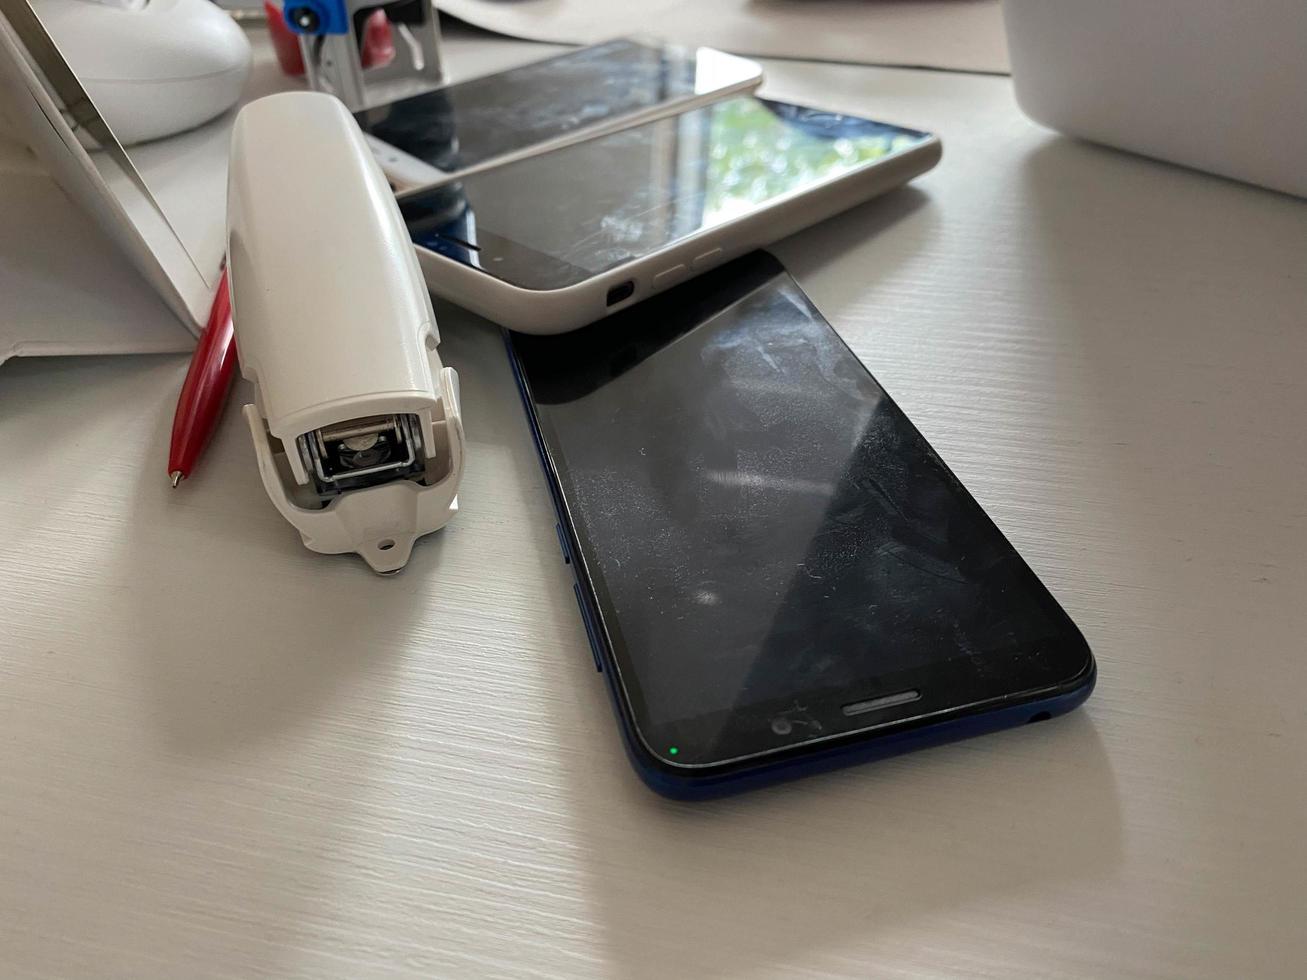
{"x": 836, "y": 756}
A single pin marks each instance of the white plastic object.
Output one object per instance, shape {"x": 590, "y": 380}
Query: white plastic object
{"x": 333, "y": 325}
{"x": 554, "y": 311}
{"x": 403, "y": 170}
{"x": 1219, "y": 85}
{"x": 152, "y": 67}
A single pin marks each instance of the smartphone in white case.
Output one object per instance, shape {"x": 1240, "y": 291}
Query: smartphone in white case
{"x": 552, "y": 242}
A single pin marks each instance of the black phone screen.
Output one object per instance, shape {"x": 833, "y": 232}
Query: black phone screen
{"x": 468, "y": 123}
{"x": 769, "y": 541}
{"x": 557, "y": 219}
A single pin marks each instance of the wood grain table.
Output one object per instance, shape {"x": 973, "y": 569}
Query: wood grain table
{"x": 224, "y": 756}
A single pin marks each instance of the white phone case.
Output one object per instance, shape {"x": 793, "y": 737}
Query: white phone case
{"x": 555, "y": 311}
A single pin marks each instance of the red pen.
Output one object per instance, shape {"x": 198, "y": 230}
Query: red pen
{"x": 205, "y": 388}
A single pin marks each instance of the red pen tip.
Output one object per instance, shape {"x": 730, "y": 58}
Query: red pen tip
{"x": 176, "y": 476}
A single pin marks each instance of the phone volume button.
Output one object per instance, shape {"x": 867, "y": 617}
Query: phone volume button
{"x": 589, "y": 629}
{"x": 711, "y": 257}
{"x": 668, "y": 276}
{"x": 562, "y": 545}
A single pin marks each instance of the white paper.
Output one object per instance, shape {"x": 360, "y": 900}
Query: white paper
{"x": 77, "y": 261}
{"x": 963, "y": 35}
{"x": 65, "y": 288}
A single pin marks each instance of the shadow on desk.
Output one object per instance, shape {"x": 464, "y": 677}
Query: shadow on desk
{"x": 217, "y": 722}
{"x": 234, "y": 657}
{"x": 1184, "y": 381}
{"x": 782, "y": 877}
{"x": 1184, "y": 378}
{"x": 887, "y": 230}
{"x": 788, "y": 875}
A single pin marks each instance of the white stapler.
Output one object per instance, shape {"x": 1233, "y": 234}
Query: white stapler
{"x": 356, "y": 423}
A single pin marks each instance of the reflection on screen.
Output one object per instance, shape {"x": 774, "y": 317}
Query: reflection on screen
{"x": 466, "y": 124}
{"x": 759, "y": 517}
{"x": 758, "y": 151}
{"x": 556, "y": 219}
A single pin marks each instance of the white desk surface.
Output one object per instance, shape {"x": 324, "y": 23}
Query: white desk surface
{"x": 222, "y": 755}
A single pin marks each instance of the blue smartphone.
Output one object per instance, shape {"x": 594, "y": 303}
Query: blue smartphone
{"x": 777, "y": 573}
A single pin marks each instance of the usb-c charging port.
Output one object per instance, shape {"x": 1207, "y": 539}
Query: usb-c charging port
{"x": 621, "y": 291}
